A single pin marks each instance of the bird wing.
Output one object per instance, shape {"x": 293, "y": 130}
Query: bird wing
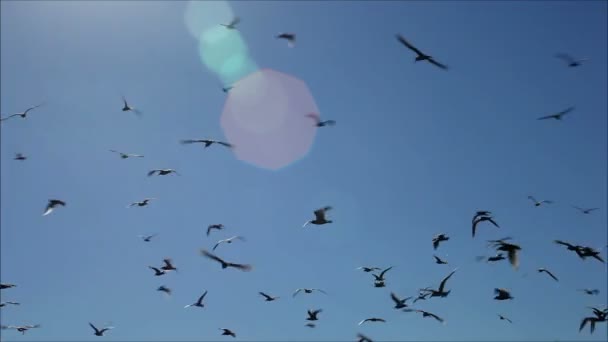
{"x": 320, "y": 291}
{"x": 552, "y": 116}
{"x": 150, "y": 173}
{"x": 167, "y": 263}
{"x": 305, "y": 224}
{"x": 532, "y": 197}
{"x": 330, "y": 122}
{"x": 217, "y": 244}
{"x": 437, "y": 258}
{"x": 200, "y": 299}
{"x": 474, "y": 228}
{"x": 434, "y": 62}
{"x": 383, "y": 272}
{"x": 513, "y": 258}
{"x": 435, "y": 243}
{"x": 566, "y": 111}
{"x": 435, "y": 316}
{"x": 493, "y": 222}
{"x": 442, "y": 285}
{"x": 125, "y": 101}
{"x": 242, "y": 267}
{"x": 407, "y": 44}
{"x": 395, "y": 299}
{"x": 551, "y": 275}
{"x": 363, "y": 321}
{"x": 211, "y": 256}
{"x": 559, "y": 242}
{"x": 48, "y": 210}
{"x": 265, "y": 295}
{"x": 10, "y": 116}
{"x": 92, "y": 326}
{"x": 565, "y": 57}
{"x": 224, "y": 144}
{"x": 296, "y": 292}
{"x": 584, "y": 322}
{"x": 154, "y": 268}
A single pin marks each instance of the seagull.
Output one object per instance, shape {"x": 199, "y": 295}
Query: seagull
{"x": 142, "y": 203}
{"x": 157, "y": 272}
{"x": 399, "y": 303}
{"x": 232, "y": 24}
{"x": 3, "y": 304}
{"x": 380, "y": 277}
{"x": 228, "y": 240}
{"x": 373, "y": 319}
{"x": 267, "y": 297}
{"x": 439, "y": 261}
{"x": 504, "y": 318}
{"x": 428, "y": 314}
{"x": 420, "y": 55}
{"x": 511, "y": 250}
{"x": 21, "y": 328}
{"x": 227, "y": 332}
{"x": 585, "y": 211}
{"x": 207, "y": 142}
{"x": 440, "y": 291}
{"x": 227, "y": 88}
{"x": 290, "y": 37}
{"x": 368, "y": 269}
{"x": 162, "y": 172}
{"x": 164, "y": 289}
{"x": 6, "y": 286}
{"x": 22, "y": 114}
{"x": 557, "y": 116}
{"x": 20, "y": 156}
{"x": 225, "y": 264}
{"x": 217, "y": 226}
{"x": 127, "y": 155}
{"x": 591, "y": 292}
{"x": 168, "y": 265}
{"x": 540, "y": 270}
{"x": 99, "y": 332}
{"x": 312, "y": 315}
{"x": 127, "y": 108}
{"x": 600, "y": 316}
{"x": 570, "y": 61}
{"x": 502, "y": 294}
{"x": 483, "y": 219}
{"x": 147, "y": 238}
{"x": 318, "y": 122}
{"x": 437, "y": 239}
{"x": 307, "y": 291}
{"x": 199, "y": 302}
{"x": 319, "y": 217}
{"x": 53, "y": 203}
{"x": 363, "y": 338}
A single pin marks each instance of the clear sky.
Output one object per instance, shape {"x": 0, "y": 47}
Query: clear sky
{"x": 416, "y": 151}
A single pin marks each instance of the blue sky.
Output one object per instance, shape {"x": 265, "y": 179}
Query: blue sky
{"x": 416, "y": 151}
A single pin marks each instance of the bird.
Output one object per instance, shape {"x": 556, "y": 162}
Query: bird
{"x": 312, "y": 315}
{"x": 541, "y": 270}
{"x": 199, "y": 302}
{"x": 512, "y": 251}
{"x": 319, "y": 217}
{"x": 590, "y": 252}
{"x": 502, "y": 294}
{"x": 368, "y": 269}
{"x": 318, "y": 122}
{"x": 399, "y": 303}
{"x": 99, "y": 332}
{"x": 127, "y": 155}
{"x": 310, "y": 325}
{"x": 379, "y": 283}
{"x": 504, "y": 318}
{"x": 497, "y": 257}
{"x": 19, "y": 156}
{"x": 6, "y": 286}
{"x": 380, "y": 277}
{"x": 585, "y": 211}
{"x": 20, "y": 328}
{"x": 228, "y": 240}
{"x": 147, "y": 238}
{"x": 440, "y": 292}
{"x": 162, "y": 172}
{"x": 268, "y": 297}
{"x": 483, "y": 219}
{"x": 141, "y": 203}
{"x": 420, "y": 55}
{"x": 206, "y": 142}
{"x": 127, "y": 108}
{"x": 600, "y": 316}
{"x": 428, "y": 314}
{"x": 53, "y": 203}
{"x": 217, "y": 226}
{"x": 225, "y": 264}
{"x": 439, "y": 260}
{"x": 3, "y": 304}
{"x": 372, "y": 319}
{"x": 164, "y": 289}
{"x": 363, "y": 338}
{"x": 557, "y": 116}
{"x": 570, "y": 61}
{"x": 227, "y": 332}
{"x": 227, "y": 88}
{"x": 591, "y": 292}
{"x": 422, "y": 296}
{"x": 157, "y": 272}
{"x": 307, "y": 291}
{"x": 480, "y": 213}
{"x": 290, "y": 37}
{"x": 437, "y": 239}
{"x": 22, "y": 114}
{"x": 232, "y": 24}
{"x": 168, "y": 266}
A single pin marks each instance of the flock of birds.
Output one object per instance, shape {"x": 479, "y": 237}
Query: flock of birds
{"x": 502, "y": 246}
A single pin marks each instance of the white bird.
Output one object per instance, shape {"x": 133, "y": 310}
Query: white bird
{"x": 127, "y": 155}
{"x": 373, "y": 319}
{"x": 228, "y": 240}
{"x": 22, "y": 114}
{"x": 538, "y": 203}
{"x": 199, "y": 302}
{"x": 53, "y": 203}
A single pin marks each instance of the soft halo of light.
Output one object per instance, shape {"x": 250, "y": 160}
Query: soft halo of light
{"x": 236, "y": 68}
{"x": 203, "y": 15}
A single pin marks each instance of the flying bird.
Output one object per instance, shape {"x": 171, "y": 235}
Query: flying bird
{"x": 368, "y": 269}
{"x": 22, "y": 114}
{"x": 570, "y": 61}
{"x": 440, "y": 292}
{"x": 142, "y": 203}
{"x": 227, "y": 88}
{"x": 373, "y": 319}
{"x": 557, "y": 116}
{"x": 483, "y": 219}
{"x": 319, "y": 217}
{"x": 428, "y": 314}
{"x": 127, "y": 108}
{"x": 168, "y": 265}
{"x": 379, "y": 283}
{"x": 399, "y": 303}
{"x": 206, "y": 142}
{"x": 512, "y": 251}
{"x": 157, "y": 272}
{"x": 225, "y": 264}
{"x": 217, "y": 226}
{"x": 147, "y": 238}
{"x": 380, "y": 277}
{"x": 227, "y": 332}
{"x": 307, "y": 291}
{"x": 6, "y": 286}
{"x": 502, "y": 294}
{"x": 53, "y": 203}
{"x": 162, "y": 172}
{"x": 585, "y": 211}
{"x": 591, "y": 292}
{"x": 290, "y": 37}
{"x": 439, "y": 260}
{"x": 420, "y": 56}
{"x": 422, "y": 296}
{"x": 127, "y": 155}
{"x": 3, "y": 304}
{"x": 232, "y": 24}
{"x": 228, "y": 240}
{"x": 198, "y": 303}
{"x": 600, "y": 316}
{"x": 312, "y": 315}
{"x": 363, "y": 338}
{"x": 437, "y": 239}
{"x": 590, "y": 252}
{"x": 541, "y": 270}
{"x": 480, "y": 213}
{"x": 318, "y": 122}
{"x": 164, "y": 289}
{"x": 20, "y": 156}
{"x": 99, "y": 332}
{"x": 268, "y": 297}
{"x": 20, "y": 328}
{"x": 503, "y": 318}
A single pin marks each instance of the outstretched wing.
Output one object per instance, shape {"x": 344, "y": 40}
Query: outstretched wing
{"x": 211, "y": 256}
{"x": 407, "y": 44}
{"x": 434, "y": 62}
{"x": 442, "y": 285}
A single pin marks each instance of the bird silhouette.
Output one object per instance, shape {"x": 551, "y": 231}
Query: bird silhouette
{"x": 420, "y": 56}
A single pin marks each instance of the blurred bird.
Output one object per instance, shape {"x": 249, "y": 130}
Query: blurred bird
{"x": 428, "y": 314}
{"x": 20, "y": 328}
{"x": 368, "y": 269}
{"x": 53, "y": 203}
{"x": 586, "y": 252}
{"x": 503, "y": 318}
{"x": 502, "y": 294}
{"x": 232, "y": 24}
{"x": 319, "y": 217}
{"x": 591, "y": 292}
{"x": 541, "y": 270}
{"x": 363, "y": 338}
{"x": 3, "y": 304}
{"x": 600, "y": 316}
{"x": 399, "y": 303}
{"x": 162, "y": 172}
{"x": 157, "y": 272}
{"x": 198, "y": 303}
{"x": 373, "y": 319}
{"x": 420, "y": 56}
{"x": 312, "y": 315}
{"x": 585, "y": 211}
{"x": 168, "y": 265}
{"x": 570, "y": 61}
{"x": 512, "y": 251}
{"x": 206, "y": 142}
{"x": 217, "y": 226}
{"x": 290, "y": 37}
{"x": 22, "y": 114}
{"x": 147, "y": 238}
{"x": 225, "y": 264}
{"x": 307, "y": 291}
{"x": 6, "y": 286}
{"x": 227, "y": 332}
{"x": 318, "y": 122}
{"x": 483, "y": 219}
{"x": 142, "y": 203}
{"x": 310, "y": 325}
{"x": 127, "y": 155}
{"x": 164, "y": 289}
{"x": 227, "y": 89}
{"x": 437, "y": 239}
{"x": 267, "y": 297}
{"x": 20, "y": 156}
{"x": 440, "y": 292}
{"x": 557, "y": 116}
{"x": 127, "y": 108}
{"x": 228, "y": 240}
{"x": 380, "y": 277}
{"x": 439, "y": 260}
{"x": 100, "y": 332}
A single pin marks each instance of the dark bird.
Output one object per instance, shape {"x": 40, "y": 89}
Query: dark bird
{"x": 127, "y": 155}
{"x": 290, "y": 37}
{"x": 318, "y": 122}
{"x": 206, "y": 142}
{"x": 3, "y": 304}
{"x": 164, "y": 289}
{"x": 380, "y": 277}
{"x": 368, "y": 269}
{"x": 99, "y": 332}
{"x": 428, "y": 314}
{"x": 437, "y": 239}
{"x": 502, "y": 294}
{"x": 53, "y": 203}
{"x": 217, "y": 226}
{"x": 157, "y": 272}
{"x": 571, "y": 61}
{"x": 420, "y": 56}
{"x": 541, "y": 270}
{"x": 585, "y": 211}
{"x": 228, "y": 240}
{"x": 600, "y": 316}
{"x": 127, "y": 108}
{"x": 480, "y": 213}
{"x": 399, "y": 303}
{"x": 440, "y": 292}
{"x": 312, "y": 315}
{"x": 22, "y": 114}
{"x": 503, "y": 318}
{"x": 512, "y": 251}
{"x": 232, "y": 24}
{"x": 267, "y": 297}
{"x": 168, "y": 265}
{"x": 20, "y": 328}
{"x": 591, "y": 292}
{"x": 586, "y": 252}
{"x": 225, "y": 264}
{"x": 142, "y": 203}
{"x": 319, "y": 217}
{"x": 483, "y": 219}
{"x": 379, "y": 283}
{"x": 147, "y": 238}
{"x": 227, "y": 332}
{"x": 557, "y": 116}
{"x": 571, "y": 247}
{"x": 162, "y": 172}
{"x": 373, "y": 319}
{"x": 439, "y": 260}
{"x": 6, "y": 286}
{"x": 307, "y": 291}
{"x": 198, "y": 303}
{"x": 497, "y": 257}
{"x": 310, "y": 325}
{"x": 20, "y": 156}
{"x": 363, "y": 338}
{"x": 422, "y": 296}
